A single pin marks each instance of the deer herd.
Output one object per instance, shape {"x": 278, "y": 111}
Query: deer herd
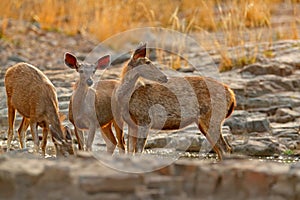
{"x": 144, "y": 98}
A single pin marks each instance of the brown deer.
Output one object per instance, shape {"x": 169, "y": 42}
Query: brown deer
{"x": 33, "y": 95}
{"x": 90, "y": 107}
{"x": 172, "y": 105}
{"x": 137, "y": 67}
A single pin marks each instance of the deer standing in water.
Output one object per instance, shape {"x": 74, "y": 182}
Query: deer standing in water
{"x": 33, "y": 95}
{"x": 90, "y": 107}
{"x": 173, "y": 105}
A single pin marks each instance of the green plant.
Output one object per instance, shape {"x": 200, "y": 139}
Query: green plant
{"x": 288, "y": 152}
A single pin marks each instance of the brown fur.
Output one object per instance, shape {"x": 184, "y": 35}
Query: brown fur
{"x": 176, "y": 104}
{"x": 199, "y": 112}
{"x": 33, "y": 95}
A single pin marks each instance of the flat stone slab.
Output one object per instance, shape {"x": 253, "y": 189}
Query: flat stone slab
{"x": 85, "y": 177}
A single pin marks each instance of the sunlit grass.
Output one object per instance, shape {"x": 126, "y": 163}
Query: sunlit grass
{"x": 240, "y": 22}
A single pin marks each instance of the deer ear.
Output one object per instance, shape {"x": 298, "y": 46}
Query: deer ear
{"x": 103, "y": 62}
{"x": 71, "y": 60}
{"x": 140, "y": 51}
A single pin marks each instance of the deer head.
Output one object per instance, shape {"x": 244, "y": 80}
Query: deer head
{"x": 86, "y": 70}
{"x": 143, "y": 67}
{"x": 63, "y": 144}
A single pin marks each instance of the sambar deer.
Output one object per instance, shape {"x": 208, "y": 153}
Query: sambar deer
{"x": 90, "y": 107}
{"x": 33, "y": 95}
{"x": 173, "y": 105}
{"x": 133, "y": 70}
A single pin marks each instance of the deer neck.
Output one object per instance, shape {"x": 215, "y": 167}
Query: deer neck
{"x": 127, "y": 85}
{"x": 54, "y": 120}
{"x": 79, "y": 95}
{"x": 56, "y": 124}
{"x": 81, "y": 90}
{"x": 83, "y": 103}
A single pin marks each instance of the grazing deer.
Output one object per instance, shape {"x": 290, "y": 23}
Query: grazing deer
{"x": 90, "y": 107}
{"x": 172, "y": 105}
{"x": 33, "y": 95}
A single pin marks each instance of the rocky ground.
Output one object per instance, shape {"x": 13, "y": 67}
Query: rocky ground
{"x": 265, "y": 122}
{"x": 85, "y": 178}
{"x": 265, "y": 125}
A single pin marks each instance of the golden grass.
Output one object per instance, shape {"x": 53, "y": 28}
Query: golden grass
{"x": 103, "y": 18}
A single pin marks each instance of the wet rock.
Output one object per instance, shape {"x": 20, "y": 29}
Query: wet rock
{"x": 284, "y": 115}
{"x": 181, "y": 142}
{"x": 287, "y": 99}
{"x": 288, "y": 133}
{"x": 190, "y": 140}
{"x": 186, "y": 69}
{"x": 291, "y": 133}
{"x": 64, "y": 96}
{"x": 259, "y": 146}
{"x": 64, "y": 106}
{"x": 270, "y": 111}
{"x": 157, "y": 142}
{"x": 188, "y": 143}
{"x": 243, "y": 122}
{"x": 287, "y": 111}
{"x": 292, "y": 59}
{"x": 278, "y": 69}
{"x": 290, "y": 125}
{"x": 17, "y": 59}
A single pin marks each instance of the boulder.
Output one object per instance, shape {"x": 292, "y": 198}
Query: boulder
{"x": 243, "y": 122}
{"x": 87, "y": 178}
{"x": 275, "y": 68}
{"x": 259, "y": 146}
{"x": 284, "y": 115}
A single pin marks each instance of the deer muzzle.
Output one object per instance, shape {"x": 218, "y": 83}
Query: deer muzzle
{"x": 89, "y": 82}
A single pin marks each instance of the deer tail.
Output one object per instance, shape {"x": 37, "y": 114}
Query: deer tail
{"x": 232, "y": 103}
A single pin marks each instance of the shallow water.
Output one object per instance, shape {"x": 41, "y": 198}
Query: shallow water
{"x": 99, "y": 145}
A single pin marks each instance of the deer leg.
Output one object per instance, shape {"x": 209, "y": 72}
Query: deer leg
{"x": 129, "y": 151}
{"x": 11, "y": 120}
{"x": 35, "y": 136}
{"x": 120, "y": 137}
{"x": 203, "y": 128}
{"x": 22, "y": 132}
{"x": 79, "y": 137}
{"x": 91, "y": 136}
{"x": 109, "y": 138}
{"x": 132, "y": 139}
{"x": 45, "y": 138}
{"x": 141, "y": 139}
{"x": 224, "y": 144}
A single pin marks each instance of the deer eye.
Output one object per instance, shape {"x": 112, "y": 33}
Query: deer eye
{"x": 148, "y": 62}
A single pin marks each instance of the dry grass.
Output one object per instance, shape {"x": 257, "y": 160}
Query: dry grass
{"x": 239, "y": 22}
